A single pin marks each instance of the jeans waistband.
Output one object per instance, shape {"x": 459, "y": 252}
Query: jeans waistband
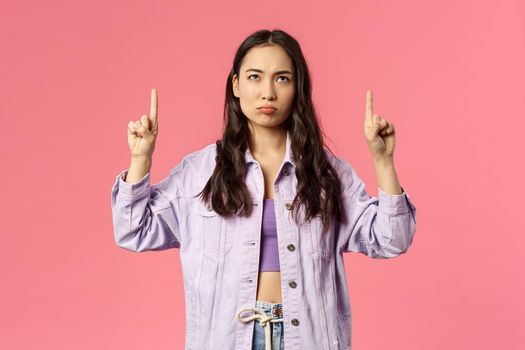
{"x": 274, "y": 309}
{"x": 261, "y": 309}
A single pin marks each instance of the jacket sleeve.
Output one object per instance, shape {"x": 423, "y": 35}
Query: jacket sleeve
{"x": 146, "y": 217}
{"x": 378, "y": 227}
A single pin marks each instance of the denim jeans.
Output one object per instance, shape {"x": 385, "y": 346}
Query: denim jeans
{"x": 274, "y": 310}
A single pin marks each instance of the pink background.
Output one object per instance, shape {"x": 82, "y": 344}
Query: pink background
{"x": 449, "y": 74}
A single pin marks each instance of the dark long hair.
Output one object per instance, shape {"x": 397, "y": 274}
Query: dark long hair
{"x": 318, "y": 186}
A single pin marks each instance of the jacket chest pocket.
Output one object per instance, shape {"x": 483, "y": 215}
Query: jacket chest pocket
{"x": 213, "y": 231}
{"x": 320, "y": 242}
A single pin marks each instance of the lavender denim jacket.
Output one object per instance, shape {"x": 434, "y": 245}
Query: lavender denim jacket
{"x": 220, "y": 257}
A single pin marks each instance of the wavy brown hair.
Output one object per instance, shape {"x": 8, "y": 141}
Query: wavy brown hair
{"x": 318, "y": 186}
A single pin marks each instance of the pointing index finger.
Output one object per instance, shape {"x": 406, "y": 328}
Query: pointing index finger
{"x": 369, "y": 108}
{"x": 153, "y": 106}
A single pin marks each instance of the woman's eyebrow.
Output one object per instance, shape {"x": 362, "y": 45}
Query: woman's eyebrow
{"x": 282, "y": 71}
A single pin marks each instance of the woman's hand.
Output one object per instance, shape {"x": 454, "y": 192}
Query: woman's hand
{"x": 379, "y": 132}
{"x": 142, "y": 134}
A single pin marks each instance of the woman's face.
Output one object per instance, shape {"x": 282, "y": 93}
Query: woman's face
{"x": 266, "y": 77}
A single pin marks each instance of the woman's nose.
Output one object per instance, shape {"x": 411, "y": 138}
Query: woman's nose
{"x": 269, "y": 91}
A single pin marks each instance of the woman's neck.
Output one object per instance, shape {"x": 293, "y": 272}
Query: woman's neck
{"x": 267, "y": 142}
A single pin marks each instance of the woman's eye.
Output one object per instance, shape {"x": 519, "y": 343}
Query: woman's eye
{"x": 255, "y": 75}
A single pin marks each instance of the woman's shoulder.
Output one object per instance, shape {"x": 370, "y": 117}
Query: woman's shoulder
{"x": 338, "y": 163}
{"x": 195, "y": 168}
{"x": 203, "y": 156}
{"x": 344, "y": 170}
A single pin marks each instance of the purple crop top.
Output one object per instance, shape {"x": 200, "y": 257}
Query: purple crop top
{"x": 269, "y": 254}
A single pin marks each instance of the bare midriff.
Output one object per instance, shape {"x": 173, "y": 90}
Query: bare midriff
{"x": 269, "y": 287}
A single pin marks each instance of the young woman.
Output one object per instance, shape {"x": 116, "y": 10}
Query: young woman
{"x": 263, "y": 216}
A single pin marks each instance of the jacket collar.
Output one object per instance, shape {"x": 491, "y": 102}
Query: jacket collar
{"x": 287, "y": 156}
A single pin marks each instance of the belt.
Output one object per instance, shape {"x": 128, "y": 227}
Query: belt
{"x": 264, "y": 320}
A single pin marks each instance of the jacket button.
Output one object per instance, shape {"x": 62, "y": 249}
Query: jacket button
{"x": 288, "y": 206}
{"x": 291, "y": 247}
{"x": 285, "y": 172}
{"x": 292, "y": 284}
{"x": 295, "y": 322}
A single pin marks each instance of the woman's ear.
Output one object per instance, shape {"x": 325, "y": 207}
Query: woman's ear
{"x": 235, "y": 85}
